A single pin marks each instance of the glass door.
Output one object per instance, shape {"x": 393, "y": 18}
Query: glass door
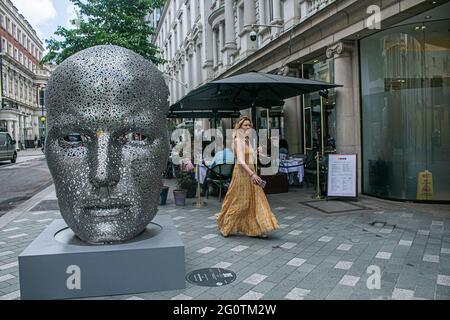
{"x": 319, "y": 109}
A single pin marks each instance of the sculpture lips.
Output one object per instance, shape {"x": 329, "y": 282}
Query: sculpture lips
{"x": 109, "y": 207}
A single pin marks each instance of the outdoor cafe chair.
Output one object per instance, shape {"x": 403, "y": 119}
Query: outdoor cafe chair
{"x": 219, "y": 175}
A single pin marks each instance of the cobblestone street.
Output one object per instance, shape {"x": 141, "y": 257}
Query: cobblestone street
{"x": 322, "y": 250}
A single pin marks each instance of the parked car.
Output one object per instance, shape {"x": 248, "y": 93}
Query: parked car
{"x": 7, "y": 148}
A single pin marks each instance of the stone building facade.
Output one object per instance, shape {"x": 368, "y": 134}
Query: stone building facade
{"x": 22, "y": 79}
{"x": 322, "y": 40}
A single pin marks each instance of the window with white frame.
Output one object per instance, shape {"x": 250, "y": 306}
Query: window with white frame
{"x": 11, "y": 86}
{"x": 5, "y": 81}
{"x": 199, "y": 65}
{"x": 16, "y": 87}
{"x": 2, "y": 20}
{"x": 4, "y": 45}
{"x": 217, "y": 46}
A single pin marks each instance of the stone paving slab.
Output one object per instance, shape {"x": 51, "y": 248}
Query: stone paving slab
{"x": 314, "y": 255}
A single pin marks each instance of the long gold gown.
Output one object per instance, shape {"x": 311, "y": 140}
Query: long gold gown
{"x": 245, "y": 208}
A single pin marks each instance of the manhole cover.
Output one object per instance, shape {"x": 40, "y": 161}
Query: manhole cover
{"x": 211, "y": 277}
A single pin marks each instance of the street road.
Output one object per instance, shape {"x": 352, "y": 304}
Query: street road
{"x": 22, "y": 180}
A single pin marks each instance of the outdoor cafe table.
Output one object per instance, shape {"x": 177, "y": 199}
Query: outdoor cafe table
{"x": 293, "y": 167}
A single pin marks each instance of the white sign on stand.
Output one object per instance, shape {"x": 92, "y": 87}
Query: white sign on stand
{"x": 342, "y": 175}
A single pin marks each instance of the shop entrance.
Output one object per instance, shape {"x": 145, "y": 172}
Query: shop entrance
{"x": 406, "y": 111}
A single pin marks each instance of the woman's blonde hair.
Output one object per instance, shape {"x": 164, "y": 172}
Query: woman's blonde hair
{"x": 239, "y": 124}
{"x": 241, "y": 121}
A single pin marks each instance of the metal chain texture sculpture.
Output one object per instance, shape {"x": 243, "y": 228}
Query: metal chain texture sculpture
{"x": 107, "y": 143}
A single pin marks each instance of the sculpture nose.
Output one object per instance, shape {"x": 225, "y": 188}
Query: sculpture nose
{"x": 105, "y": 162}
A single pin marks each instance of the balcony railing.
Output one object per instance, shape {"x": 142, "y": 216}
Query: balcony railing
{"x": 311, "y": 7}
{"x": 215, "y": 4}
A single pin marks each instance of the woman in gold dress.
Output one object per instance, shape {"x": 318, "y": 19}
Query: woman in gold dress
{"x": 245, "y": 207}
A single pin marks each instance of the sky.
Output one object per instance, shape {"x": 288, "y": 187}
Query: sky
{"x": 46, "y": 15}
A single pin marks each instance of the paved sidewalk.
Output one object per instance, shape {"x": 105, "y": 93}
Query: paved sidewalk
{"x": 322, "y": 250}
{"x": 29, "y": 154}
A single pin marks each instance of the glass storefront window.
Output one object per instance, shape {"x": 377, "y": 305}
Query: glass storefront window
{"x": 3, "y": 126}
{"x": 405, "y": 85}
{"x": 319, "y": 114}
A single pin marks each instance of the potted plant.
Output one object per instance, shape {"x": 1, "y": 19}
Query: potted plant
{"x": 163, "y": 195}
{"x": 185, "y": 183}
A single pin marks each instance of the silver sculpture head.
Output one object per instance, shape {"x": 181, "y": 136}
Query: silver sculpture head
{"x": 107, "y": 143}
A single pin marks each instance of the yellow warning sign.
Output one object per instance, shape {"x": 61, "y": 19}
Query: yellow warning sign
{"x": 425, "y": 185}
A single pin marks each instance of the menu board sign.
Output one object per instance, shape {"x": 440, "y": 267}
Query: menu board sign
{"x": 342, "y": 175}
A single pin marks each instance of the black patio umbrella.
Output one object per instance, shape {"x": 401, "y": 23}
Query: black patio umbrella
{"x": 252, "y": 89}
{"x": 204, "y": 114}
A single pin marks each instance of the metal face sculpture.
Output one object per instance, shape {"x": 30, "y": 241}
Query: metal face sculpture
{"x": 107, "y": 143}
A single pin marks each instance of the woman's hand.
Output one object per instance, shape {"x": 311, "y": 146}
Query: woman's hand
{"x": 256, "y": 180}
{"x": 260, "y": 152}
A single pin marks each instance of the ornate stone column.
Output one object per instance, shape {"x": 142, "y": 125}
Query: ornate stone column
{"x": 174, "y": 45}
{"x": 194, "y": 58}
{"x": 348, "y": 131}
{"x": 173, "y": 88}
{"x": 180, "y": 35}
{"x": 249, "y": 18}
{"x": 230, "y": 41}
{"x": 277, "y": 12}
{"x": 185, "y": 28}
{"x": 345, "y": 117}
{"x": 221, "y": 44}
{"x": 262, "y": 12}
{"x": 16, "y": 132}
{"x": 249, "y": 12}
{"x": 187, "y": 73}
{"x": 214, "y": 43}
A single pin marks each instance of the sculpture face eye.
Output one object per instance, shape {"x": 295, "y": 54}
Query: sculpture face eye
{"x": 135, "y": 138}
{"x": 73, "y": 140}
